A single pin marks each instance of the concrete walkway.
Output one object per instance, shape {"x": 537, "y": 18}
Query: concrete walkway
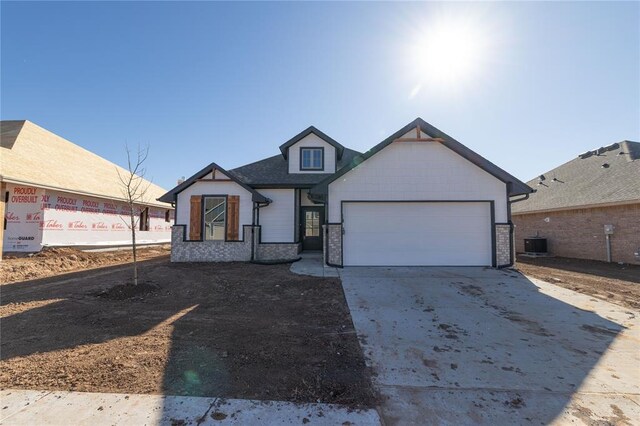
{"x": 482, "y": 346}
{"x": 21, "y": 407}
{"x": 313, "y": 265}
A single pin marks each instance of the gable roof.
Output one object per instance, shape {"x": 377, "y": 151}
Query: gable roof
{"x": 586, "y": 180}
{"x": 514, "y": 185}
{"x": 170, "y": 196}
{"x": 303, "y": 134}
{"x": 274, "y": 171}
{"x": 35, "y": 156}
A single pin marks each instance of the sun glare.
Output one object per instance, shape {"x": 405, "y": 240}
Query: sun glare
{"x": 448, "y": 55}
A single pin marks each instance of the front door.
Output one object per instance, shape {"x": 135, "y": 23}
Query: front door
{"x": 311, "y": 220}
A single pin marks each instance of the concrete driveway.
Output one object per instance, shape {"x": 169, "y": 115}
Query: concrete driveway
{"x": 475, "y": 345}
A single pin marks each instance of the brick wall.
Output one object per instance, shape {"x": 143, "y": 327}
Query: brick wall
{"x": 209, "y": 251}
{"x": 503, "y": 244}
{"x": 270, "y": 251}
{"x": 579, "y": 233}
{"x": 333, "y": 244}
{"x": 228, "y": 251}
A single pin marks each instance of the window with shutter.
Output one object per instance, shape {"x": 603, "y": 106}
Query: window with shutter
{"x": 215, "y": 218}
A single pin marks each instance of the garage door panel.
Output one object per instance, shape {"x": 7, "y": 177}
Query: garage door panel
{"x": 417, "y": 234}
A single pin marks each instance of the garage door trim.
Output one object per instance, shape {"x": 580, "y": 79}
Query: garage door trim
{"x": 491, "y": 210}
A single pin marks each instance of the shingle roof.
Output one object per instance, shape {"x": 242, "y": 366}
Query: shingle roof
{"x": 34, "y": 156}
{"x": 603, "y": 176}
{"x": 273, "y": 171}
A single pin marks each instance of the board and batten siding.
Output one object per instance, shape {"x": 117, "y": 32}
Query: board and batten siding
{"x": 312, "y": 141}
{"x": 417, "y": 171}
{"x": 214, "y": 188}
{"x": 278, "y": 218}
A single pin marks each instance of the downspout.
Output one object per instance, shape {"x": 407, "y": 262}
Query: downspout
{"x": 255, "y": 222}
{"x": 512, "y": 228}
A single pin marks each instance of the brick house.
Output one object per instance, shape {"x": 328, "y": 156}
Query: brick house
{"x": 418, "y": 197}
{"x": 573, "y": 203}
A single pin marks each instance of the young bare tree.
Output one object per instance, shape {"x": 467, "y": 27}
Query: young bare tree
{"x": 134, "y": 189}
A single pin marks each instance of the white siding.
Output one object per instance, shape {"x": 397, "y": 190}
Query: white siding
{"x": 412, "y": 134}
{"x": 278, "y": 218}
{"x": 218, "y": 175}
{"x": 214, "y": 188}
{"x": 417, "y": 171}
{"x": 312, "y": 141}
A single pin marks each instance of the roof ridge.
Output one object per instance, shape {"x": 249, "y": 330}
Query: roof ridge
{"x": 515, "y": 186}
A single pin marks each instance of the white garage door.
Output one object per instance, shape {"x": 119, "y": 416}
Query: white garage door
{"x": 417, "y": 234}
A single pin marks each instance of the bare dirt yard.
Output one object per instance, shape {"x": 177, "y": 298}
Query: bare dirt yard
{"x": 232, "y": 330}
{"x": 619, "y": 284}
{"x": 55, "y": 261}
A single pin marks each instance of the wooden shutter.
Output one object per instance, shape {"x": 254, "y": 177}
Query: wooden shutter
{"x": 233, "y": 217}
{"x": 195, "y": 218}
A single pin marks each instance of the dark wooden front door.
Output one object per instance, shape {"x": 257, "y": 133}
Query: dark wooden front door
{"x": 311, "y": 221}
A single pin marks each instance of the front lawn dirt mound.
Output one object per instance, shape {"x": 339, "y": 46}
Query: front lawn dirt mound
{"x": 55, "y": 261}
{"x": 619, "y": 284}
{"x": 235, "y": 330}
{"x": 128, "y": 291}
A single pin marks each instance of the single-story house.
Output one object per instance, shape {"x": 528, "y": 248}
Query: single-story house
{"x": 587, "y": 208}
{"x": 417, "y": 198}
{"x": 55, "y": 193}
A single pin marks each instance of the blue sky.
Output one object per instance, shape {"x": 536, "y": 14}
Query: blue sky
{"x": 223, "y": 82}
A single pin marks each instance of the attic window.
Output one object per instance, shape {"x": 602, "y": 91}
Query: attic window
{"x": 311, "y": 158}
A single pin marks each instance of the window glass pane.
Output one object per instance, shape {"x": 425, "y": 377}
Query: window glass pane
{"x": 311, "y": 158}
{"x": 317, "y": 158}
{"x": 306, "y": 158}
{"x": 312, "y": 224}
{"x": 215, "y": 214}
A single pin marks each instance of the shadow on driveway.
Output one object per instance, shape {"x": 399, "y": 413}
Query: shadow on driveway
{"x": 474, "y": 345}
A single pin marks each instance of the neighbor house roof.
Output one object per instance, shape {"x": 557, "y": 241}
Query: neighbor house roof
{"x": 170, "y": 196}
{"x": 608, "y": 175}
{"x": 34, "y": 156}
{"x": 514, "y": 185}
{"x": 303, "y": 134}
{"x": 274, "y": 171}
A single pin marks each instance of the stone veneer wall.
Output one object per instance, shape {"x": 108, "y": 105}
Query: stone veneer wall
{"x": 228, "y": 251}
{"x": 270, "y": 251}
{"x": 503, "y": 245}
{"x": 332, "y": 244}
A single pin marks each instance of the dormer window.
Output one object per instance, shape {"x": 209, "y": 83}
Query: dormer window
{"x": 311, "y": 158}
